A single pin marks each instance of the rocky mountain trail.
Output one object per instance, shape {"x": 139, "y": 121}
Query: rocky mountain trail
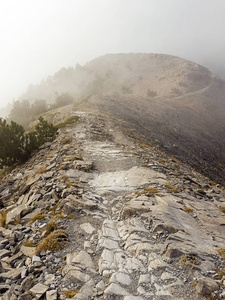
{"x": 102, "y": 214}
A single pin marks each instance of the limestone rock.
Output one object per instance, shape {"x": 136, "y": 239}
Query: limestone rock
{"x": 38, "y": 290}
{"x": 17, "y": 213}
{"x": 51, "y": 295}
{"x": 205, "y": 286}
{"x": 73, "y": 273}
{"x": 87, "y": 227}
{"x": 28, "y": 251}
{"x": 115, "y": 289}
{"x": 12, "y": 274}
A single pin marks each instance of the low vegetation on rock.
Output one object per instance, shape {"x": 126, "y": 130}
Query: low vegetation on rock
{"x": 55, "y": 241}
{"x": 18, "y": 146}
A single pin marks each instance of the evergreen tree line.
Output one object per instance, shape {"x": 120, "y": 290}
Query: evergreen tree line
{"x": 23, "y": 112}
{"x": 16, "y": 146}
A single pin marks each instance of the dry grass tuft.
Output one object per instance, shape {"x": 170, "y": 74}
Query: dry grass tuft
{"x": 221, "y": 252}
{"x": 171, "y": 189}
{"x": 219, "y": 274}
{"x": 29, "y": 243}
{"x": 3, "y": 215}
{"x": 38, "y": 217}
{"x": 50, "y": 227}
{"x": 150, "y": 191}
{"x": 188, "y": 209}
{"x": 222, "y": 208}
{"x": 55, "y": 241}
{"x": 66, "y": 141}
{"x": 41, "y": 170}
{"x": 71, "y": 294}
{"x": 212, "y": 183}
{"x": 189, "y": 260}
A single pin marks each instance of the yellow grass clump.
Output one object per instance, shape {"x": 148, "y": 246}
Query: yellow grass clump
{"x": 53, "y": 242}
{"x": 71, "y": 294}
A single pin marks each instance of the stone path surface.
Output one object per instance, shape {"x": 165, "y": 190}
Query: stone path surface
{"x": 129, "y": 222}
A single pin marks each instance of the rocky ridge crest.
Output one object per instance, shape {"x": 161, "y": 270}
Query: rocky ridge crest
{"x": 134, "y": 222}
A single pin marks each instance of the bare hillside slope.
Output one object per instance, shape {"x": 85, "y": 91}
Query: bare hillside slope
{"x": 172, "y": 102}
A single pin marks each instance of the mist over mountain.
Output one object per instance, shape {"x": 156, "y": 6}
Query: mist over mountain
{"x": 175, "y": 103}
{"x": 136, "y": 74}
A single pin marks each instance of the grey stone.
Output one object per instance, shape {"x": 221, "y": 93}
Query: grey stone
{"x": 144, "y": 278}
{"x": 133, "y": 298}
{"x": 49, "y": 279}
{"x": 28, "y": 251}
{"x": 87, "y": 227}
{"x": 25, "y": 296}
{"x": 106, "y": 261}
{"x": 156, "y": 262}
{"x": 205, "y": 286}
{"x": 51, "y": 295}
{"x": 84, "y": 260}
{"x": 4, "y": 253}
{"x": 121, "y": 278}
{"x": 160, "y": 291}
{"x": 35, "y": 258}
{"x": 38, "y": 290}
{"x": 115, "y": 289}
{"x": 17, "y": 213}
{"x": 73, "y": 273}
{"x": 12, "y": 274}
{"x": 100, "y": 286}
{"x": 27, "y": 283}
{"x": 15, "y": 257}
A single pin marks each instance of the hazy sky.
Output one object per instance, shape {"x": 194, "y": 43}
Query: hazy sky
{"x": 38, "y": 37}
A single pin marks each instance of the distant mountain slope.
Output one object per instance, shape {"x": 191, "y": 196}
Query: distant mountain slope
{"x": 175, "y": 103}
{"x": 138, "y": 74}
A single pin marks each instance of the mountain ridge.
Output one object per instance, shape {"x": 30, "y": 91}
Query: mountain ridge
{"x": 176, "y": 102}
{"x": 125, "y": 220}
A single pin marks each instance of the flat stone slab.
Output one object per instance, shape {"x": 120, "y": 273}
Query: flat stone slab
{"x": 126, "y": 180}
{"x": 38, "y": 290}
{"x": 87, "y": 227}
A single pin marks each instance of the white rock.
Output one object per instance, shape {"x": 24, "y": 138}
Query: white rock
{"x": 144, "y": 278}
{"x": 35, "y": 258}
{"x": 121, "y": 278}
{"x": 161, "y": 291}
{"x": 106, "y": 261}
{"x": 133, "y": 298}
{"x": 49, "y": 278}
{"x": 38, "y": 290}
{"x": 167, "y": 276}
{"x": 88, "y": 228}
{"x": 87, "y": 245}
{"x": 51, "y": 295}
{"x": 100, "y": 286}
{"x": 73, "y": 273}
{"x": 28, "y": 251}
{"x": 132, "y": 264}
{"x": 143, "y": 292}
{"x": 83, "y": 259}
{"x": 17, "y": 213}
{"x": 108, "y": 243}
{"x": 156, "y": 262}
{"x": 115, "y": 289}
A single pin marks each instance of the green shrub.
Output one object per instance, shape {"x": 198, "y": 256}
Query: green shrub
{"x": 18, "y": 146}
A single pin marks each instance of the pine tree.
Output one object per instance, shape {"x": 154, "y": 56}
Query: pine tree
{"x": 16, "y": 146}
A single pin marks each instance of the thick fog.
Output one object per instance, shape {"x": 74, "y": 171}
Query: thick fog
{"x": 39, "y": 37}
